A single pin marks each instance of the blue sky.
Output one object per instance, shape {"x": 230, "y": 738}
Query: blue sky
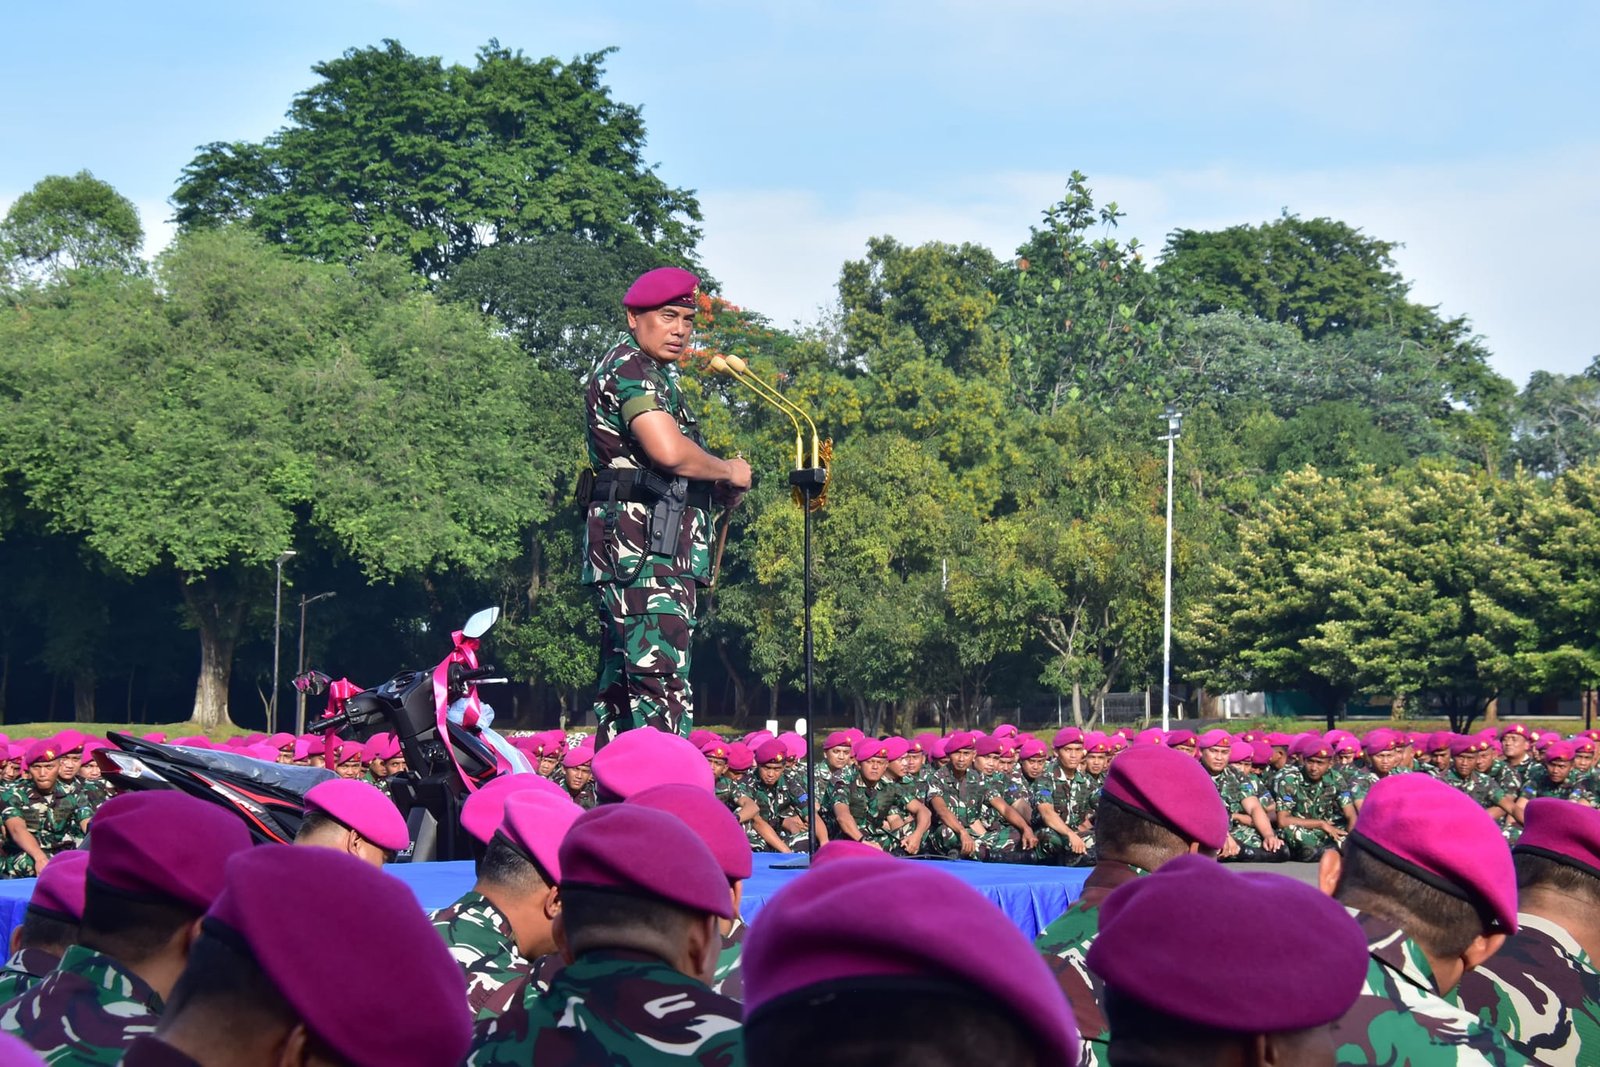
{"x": 1466, "y": 130}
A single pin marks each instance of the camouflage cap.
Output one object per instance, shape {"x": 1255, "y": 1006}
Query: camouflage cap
{"x": 1442, "y": 837}
{"x": 165, "y": 845}
{"x": 1161, "y": 944}
{"x": 1169, "y": 788}
{"x": 711, "y": 821}
{"x": 826, "y": 930}
{"x": 269, "y": 894}
{"x": 362, "y": 807}
{"x": 638, "y": 849}
{"x": 58, "y": 894}
{"x": 639, "y": 759}
{"x": 1557, "y": 830}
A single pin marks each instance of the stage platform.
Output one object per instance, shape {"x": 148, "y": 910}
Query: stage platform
{"x": 1030, "y": 896}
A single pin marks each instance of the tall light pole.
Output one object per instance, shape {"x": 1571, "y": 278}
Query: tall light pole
{"x": 300, "y": 662}
{"x": 277, "y": 627}
{"x": 1174, "y": 419}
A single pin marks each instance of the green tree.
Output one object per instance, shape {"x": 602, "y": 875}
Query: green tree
{"x": 1558, "y": 420}
{"x": 242, "y": 401}
{"x": 400, "y": 152}
{"x": 62, "y": 224}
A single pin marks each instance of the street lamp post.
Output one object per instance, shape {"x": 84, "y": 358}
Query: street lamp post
{"x": 300, "y": 662}
{"x": 277, "y": 627}
{"x": 1174, "y": 419}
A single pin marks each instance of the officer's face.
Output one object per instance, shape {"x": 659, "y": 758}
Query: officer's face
{"x": 838, "y": 757}
{"x": 1383, "y": 762}
{"x": 987, "y": 763}
{"x": 396, "y": 765}
{"x": 1095, "y": 762}
{"x": 663, "y": 333}
{"x": 577, "y": 778}
{"x": 44, "y": 774}
{"x": 69, "y": 767}
{"x": 378, "y": 768}
{"x": 90, "y": 771}
{"x": 1216, "y": 757}
{"x": 961, "y": 759}
{"x": 1466, "y": 763}
{"x": 1558, "y": 769}
{"x": 1188, "y": 748}
{"x": 1280, "y": 756}
{"x": 914, "y": 761}
{"x": 1070, "y": 755}
{"x": 1317, "y": 766}
{"x": 12, "y": 771}
{"x": 1485, "y": 759}
{"x": 1515, "y": 745}
{"x": 719, "y": 765}
{"x": 547, "y": 764}
{"x": 1584, "y": 759}
{"x": 348, "y": 769}
{"x": 872, "y": 769}
{"x": 1033, "y": 766}
{"x": 771, "y": 772}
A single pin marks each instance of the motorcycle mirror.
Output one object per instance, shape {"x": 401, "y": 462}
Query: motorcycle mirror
{"x": 480, "y": 622}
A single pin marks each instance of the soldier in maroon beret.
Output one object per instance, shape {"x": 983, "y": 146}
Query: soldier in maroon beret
{"x": 650, "y": 494}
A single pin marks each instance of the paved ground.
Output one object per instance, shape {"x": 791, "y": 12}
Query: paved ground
{"x": 1305, "y": 872}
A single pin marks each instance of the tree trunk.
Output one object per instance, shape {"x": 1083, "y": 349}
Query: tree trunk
{"x": 83, "y": 696}
{"x": 741, "y": 693}
{"x": 1077, "y": 703}
{"x": 217, "y": 619}
{"x": 1491, "y": 713}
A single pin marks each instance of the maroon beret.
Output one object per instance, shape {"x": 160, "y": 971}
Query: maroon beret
{"x": 772, "y": 751}
{"x": 164, "y": 844}
{"x": 1563, "y": 750}
{"x": 578, "y": 756}
{"x": 871, "y": 748}
{"x": 1169, "y": 788}
{"x": 959, "y": 740}
{"x": 836, "y": 739}
{"x": 698, "y": 738}
{"x": 921, "y": 742}
{"x": 1153, "y": 735}
{"x": 40, "y": 750}
{"x": 281, "y": 903}
{"x": 793, "y": 744}
{"x": 639, "y": 759}
{"x": 1067, "y": 735}
{"x": 362, "y": 807}
{"x": 1241, "y": 752}
{"x": 1163, "y": 941}
{"x": 1032, "y": 748}
{"x": 1095, "y": 741}
{"x": 1514, "y": 728}
{"x": 1182, "y": 737}
{"x": 842, "y": 848}
{"x": 1465, "y": 744}
{"x": 1260, "y": 753}
{"x": 58, "y": 894}
{"x": 15, "y": 1052}
{"x": 1212, "y": 738}
{"x": 1442, "y": 837}
{"x": 1376, "y": 741}
{"x": 989, "y": 746}
{"x": 659, "y": 287}
{"x": 1311, "y": 746}
{"x": 641, "y": 850}
{"x": 69, "y": 741}
{"x": 484, "y": 809}
{"x": 740, "y": 758}
{"x": 1006, "y": 729}
{"x": 897, "y": 747}
{"x": 826, "y": 929}
{"x": 1279, "y": 740}
{"x": 1555, "y": 829}
{"x": 535, "y": 823}
{"x": 711, "y": 821}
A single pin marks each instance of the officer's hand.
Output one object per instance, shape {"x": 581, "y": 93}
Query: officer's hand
{"x": 968, "y": 845}
{"x": 913, "y": 844}
{"x": 1076, "y": 843}
{"x": 1273, "y": 843}
{"x": 738, "y": 473}
{"x": 39, "y": 865}
{"x": 1230, "y": 847}
{"x": 727, "y": 496}
{"x": 1029, "y": 841}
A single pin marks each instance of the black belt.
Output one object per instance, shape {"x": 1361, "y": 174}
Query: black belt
{"x": 645, "y": 487}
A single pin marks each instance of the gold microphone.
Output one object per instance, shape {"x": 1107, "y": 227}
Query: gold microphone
{"x": 725, "y": 365}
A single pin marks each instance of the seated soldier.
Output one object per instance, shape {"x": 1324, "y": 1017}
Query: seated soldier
{"x": 1467, "y": 756}
{"x": 49, "y": 926}
{"x": 1381, "y": 750}
{"x": 782, "y": 806}
{"x": 641, "y": 901}
{"x": 352, "y": 816}
{"x": 505, "y": 920}
{"x": 1429, "y": 878}
{"x": 41, "y": 818}
{"x": 1179, "y": 991}
{"x": 1517, "y": 758}
{"x": 1542, "y": 989}
{"x": 972, "y": 819}
{"x": 246, "y": 997}
{"x": 838, "y": 767}
{"x": 1251, "y": 837}
{"x": 1312, "y": 817}
{"x": 1157, "y": 804}
{"x": 949, "y": 983}
{"x": 726, "y": 840}
{"x": 578, "y": 777}
{"x": 1059, "y": 842}
{"x": 873, "y": 809}
{"x": 155, "y": 867}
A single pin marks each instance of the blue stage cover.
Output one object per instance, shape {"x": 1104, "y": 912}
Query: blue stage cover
{"x": 1030, "y": 896}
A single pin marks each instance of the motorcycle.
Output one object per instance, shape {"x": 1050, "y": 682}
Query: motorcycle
{"x": 444, "y": 729}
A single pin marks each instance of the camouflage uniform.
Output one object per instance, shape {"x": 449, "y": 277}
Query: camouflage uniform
{"x": 1304, "y": 799}
{"x": 1357, "y": 785}
{"x": 1053, "y": 847}
{"x": 615, "y": 1007}
{"x": 585, "y": 798}
{"x": 1542, "y": 786}
{"x": 482, "y": 942}
{"x": 728, "y": 978}
{"x": 647, "y": 601}
{"x": 969, "y": 801}
{"x": 87, "y": 1011}
{"x": 1402, "y": 1018}
{"x": 774, "y": 804}
{"x": 26, "y": 968}
{"x": 1512, "y": 777}
{"x": 55, "y": 819}
{"x": 1481, "y": 788}
{"x": 1234, "y": 787}
{"x": 1064, "y": 944}
{"x": 872, "y": 806}
{"x": 1542, "y": 991}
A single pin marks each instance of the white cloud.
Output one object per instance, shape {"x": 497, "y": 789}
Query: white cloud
{"x": 1506, "y": 242}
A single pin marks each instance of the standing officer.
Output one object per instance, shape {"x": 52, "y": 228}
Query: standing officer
{"x": 648, "y": 529}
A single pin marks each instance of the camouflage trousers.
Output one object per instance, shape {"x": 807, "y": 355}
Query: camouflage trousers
{"x": 799, "y": 841}
{"x": 999, "y": 844}
{"x": 645, "y": 630}
{"x": 1305, "y": 844}
{"x": 1053, "y": 849}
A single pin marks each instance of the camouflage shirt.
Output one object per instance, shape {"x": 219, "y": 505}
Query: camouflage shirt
{"x": 874, "y": 806}
{"x": 87, "y": 1011}
{"x": 623, "y": 384}
{"x": 1542, "y": 991}
{"x": 55, "y": 819}
{"x": 1542, "y": 786}
{"x": 1401, "y": 1016}
{"x": 729, "y": 976}
{"x": 26, "y": 968}
{"x": 618, "y": 1009}
{"x": 1479, "y": 786}
{"x": 1065, "y": 946}
{"x": 482, "y": 942}
{"x": 1302, "y": 798}
{"x": 967, "y": 798}
{"x": 1073, "y": 798}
